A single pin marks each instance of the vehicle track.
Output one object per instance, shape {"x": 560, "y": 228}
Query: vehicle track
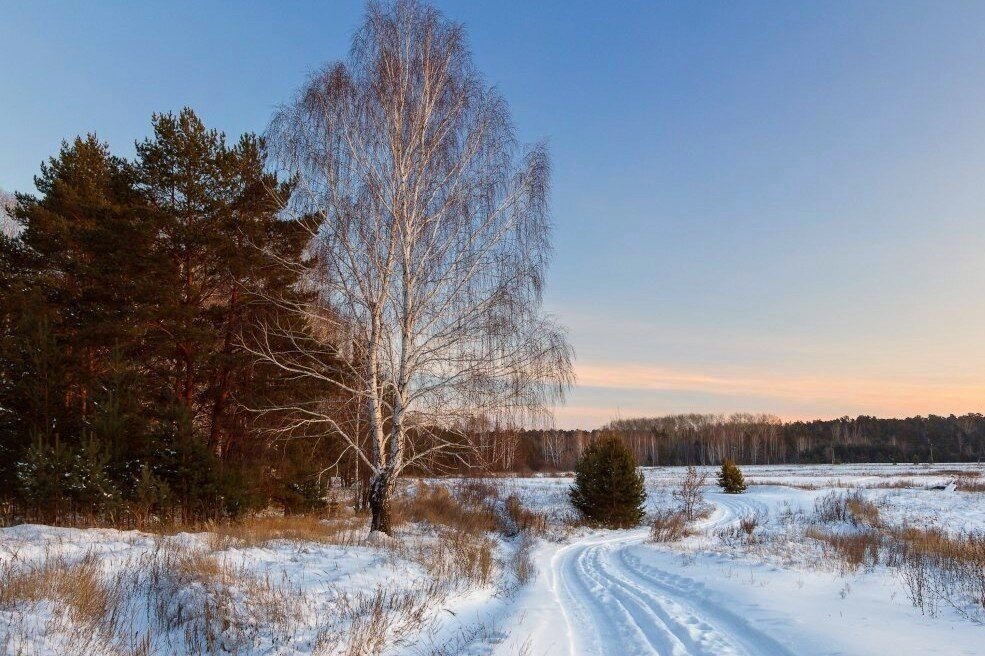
{"x": 614, "y": 603}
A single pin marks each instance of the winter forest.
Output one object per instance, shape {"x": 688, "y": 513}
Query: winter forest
{"x": 297, "y": 390}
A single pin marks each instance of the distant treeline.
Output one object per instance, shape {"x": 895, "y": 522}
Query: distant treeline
{"x": 695, "y": 439}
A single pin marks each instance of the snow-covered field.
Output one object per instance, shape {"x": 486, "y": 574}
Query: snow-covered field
{"x": 719, "y": 591}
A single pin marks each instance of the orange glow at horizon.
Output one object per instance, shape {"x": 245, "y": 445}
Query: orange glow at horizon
{"x": 773, "y": 393}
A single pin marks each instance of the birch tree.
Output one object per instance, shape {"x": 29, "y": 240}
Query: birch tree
{"x": 8, "y": 226}
{"x": 427, "y": 264}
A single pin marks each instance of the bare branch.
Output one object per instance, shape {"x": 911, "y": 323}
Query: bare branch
{"x": 433, "y": 243}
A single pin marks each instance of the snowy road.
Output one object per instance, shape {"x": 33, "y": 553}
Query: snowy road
{"x": 612, "y": 601}
{"x": 600, "y": 598}
{"x": 613, "y": 593}
{"x": 597, "y": 597}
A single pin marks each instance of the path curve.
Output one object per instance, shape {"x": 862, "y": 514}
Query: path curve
{"x": 608, "y": 601}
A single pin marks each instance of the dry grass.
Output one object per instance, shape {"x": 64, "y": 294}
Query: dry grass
{"x": 967, "y": 481}
{"x": 523, "y": 566}
{"x": 851, "y": 507}
{"x": 195, "y": 600}
{"x": 459, "y": 552}
{"x": 457, "y": 557}
{"x": 897, "y": 484}
{"x": 743, "y": 532}
{"x": 669, "y": 525}
{"x": 462, "y": 517}
{"x": 851, "y": 550}
{"x": 369, "y": 623}
{"x": 261, "y": 531}
{"x": 437, "y": 506}
{"x": 969, "y": 485}
{"x": 853, "y": 547}
{"x": 959, "y": 473}
{"x": 862, "y": 511}
{"x": 938, "y": 567}
{"x": 518, "y": 566}
{"x": 517, "y": 519}
{"x": 456, "y": 552}
{"x": 749, "y": 522}
{"x": 477, "y": 491}
{"x": 216, "y": 606}
{"x": 797, "y": 486}
{"x": 84, "y": 607}
{"x": 76, "y": 587}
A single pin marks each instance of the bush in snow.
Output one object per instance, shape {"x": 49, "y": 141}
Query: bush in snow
{"x": 608, "y": 488}
{"x": 689, "y": 493}
{"x": 668, "y": 525}
{"x": 851, "y": 507}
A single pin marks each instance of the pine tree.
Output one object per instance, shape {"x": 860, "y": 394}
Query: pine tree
{"x": 608, "y": 488}
{"x": 225, "y": 242}
{"x": 126, "y": 299}
{"x": 730, "y": 478}
{"x": 184, "y": 174}
{"x": 69, "y": 293}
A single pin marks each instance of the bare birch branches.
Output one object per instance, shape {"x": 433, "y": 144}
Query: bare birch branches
{"x": 432, "y": 239}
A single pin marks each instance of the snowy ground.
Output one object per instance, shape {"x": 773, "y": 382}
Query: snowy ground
{"x": 903, "y": 488}
{"x": 593, "y": 593}
{"x": 186, "y": 594}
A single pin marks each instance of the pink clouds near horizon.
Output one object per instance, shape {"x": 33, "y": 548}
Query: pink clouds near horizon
{"x": 646, "y": 390}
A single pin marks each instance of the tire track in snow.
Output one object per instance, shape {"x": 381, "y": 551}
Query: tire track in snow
{"x": 614, "y": 603}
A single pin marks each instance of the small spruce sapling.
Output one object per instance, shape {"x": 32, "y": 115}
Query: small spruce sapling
{"x": 730, "y": 478}
{"x": 608, "y": 488}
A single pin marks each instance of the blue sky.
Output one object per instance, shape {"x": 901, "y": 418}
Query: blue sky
{"x": 763, "y": 206}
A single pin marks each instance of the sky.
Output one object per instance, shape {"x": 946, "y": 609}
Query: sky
{"x": 758, "y": 207}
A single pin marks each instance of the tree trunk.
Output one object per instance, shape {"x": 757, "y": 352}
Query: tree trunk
{"x": 380, "y": 489}
{"x": 217, "y": 440}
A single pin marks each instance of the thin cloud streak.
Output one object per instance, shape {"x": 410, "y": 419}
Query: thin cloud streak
{"x": 593, "y": 416}
{"x": 884, "y": 396}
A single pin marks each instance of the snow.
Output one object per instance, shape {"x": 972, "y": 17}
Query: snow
{"x": 612, "y": 588}
{"x": 313, "y": 578}
{"x": 612, "y": 592}
{"x": 595, "y": 592}
{"x": 799, "y": 485}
